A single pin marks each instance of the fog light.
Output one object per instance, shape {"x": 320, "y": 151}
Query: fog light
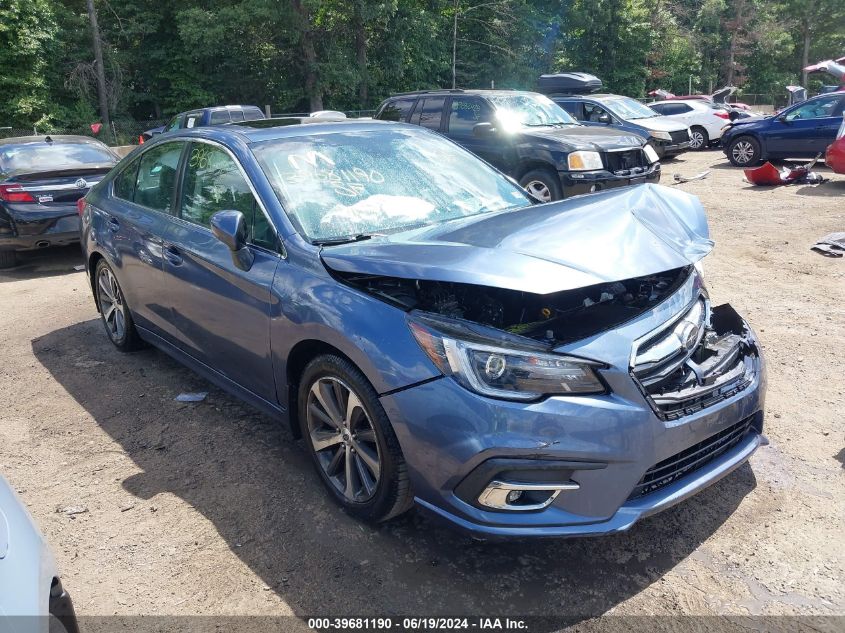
{"x": 522, "y": 495}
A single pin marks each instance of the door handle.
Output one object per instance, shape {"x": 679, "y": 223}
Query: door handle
{"x": 172, "y": 255}
{"x": 114, "y": 225}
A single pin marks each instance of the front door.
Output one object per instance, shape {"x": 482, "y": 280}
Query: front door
{"x": 807, "y": 129}
{"x": 221, "y": 312}
{"x": 464, "y": 114}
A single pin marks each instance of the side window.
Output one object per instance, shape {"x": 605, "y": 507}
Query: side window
{"x": 218, "y": 117}
{"x": 157, "y": 176}
{"x": 818, "y": 109}
{"x": 575, "y": 108}
{"x": 464, "y": 113}
{"x": 683, "y": 108}
{"x": 397, "y": 110}
{"x": 193, "y": 119}
{"x": 592, "y": 112}
{"x": 428, "y": 112}
{"x": 659, "y": 108}
{"x": 237, "y": 115}
{"x": 214, "y": 183}
{"x": 124, "y": 185}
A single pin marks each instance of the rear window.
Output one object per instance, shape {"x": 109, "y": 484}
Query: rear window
{"x": 253, "y": 114}
{"x": 49, "y": 156}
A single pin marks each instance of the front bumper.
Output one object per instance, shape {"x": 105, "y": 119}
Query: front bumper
{"x": 605, "y": 444}
{"x": 668, "y": 148}
{"x": 27, "y": 227}
{"x": 576, "y": 183}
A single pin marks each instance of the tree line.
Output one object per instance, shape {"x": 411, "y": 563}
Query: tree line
{"x": 160, "y": 57}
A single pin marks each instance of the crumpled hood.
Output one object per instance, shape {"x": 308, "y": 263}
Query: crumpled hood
{"x": 586, "y": 137}
{"x": 597, "y": 238}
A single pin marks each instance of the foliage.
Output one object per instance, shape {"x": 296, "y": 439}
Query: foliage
{"x": 163, "y": 56}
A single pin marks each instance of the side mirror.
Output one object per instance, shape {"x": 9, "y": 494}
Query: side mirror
{"x": 605, "y": 118}
{"x": 782, "y": 118}
{"x": 482, "y": 130}
{"x": 230, "y": 228}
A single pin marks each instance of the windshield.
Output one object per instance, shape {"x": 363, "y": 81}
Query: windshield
{"x": 627, "y": 108}
{"x": 49, "y": 156}
{"x": 530, "y": 110}
{"x": 348, "y": 184}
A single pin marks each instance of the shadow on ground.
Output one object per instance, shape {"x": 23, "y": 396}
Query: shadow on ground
{"x": 244, "y": 473}
{"x": 48, "y": 262}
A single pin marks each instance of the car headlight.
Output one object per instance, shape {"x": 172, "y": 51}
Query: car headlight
{"x": 650, "y": 154}
{"x": 663, "y": 136}
{"x": 503, "y": 372}
{"x": 584, "y": 161}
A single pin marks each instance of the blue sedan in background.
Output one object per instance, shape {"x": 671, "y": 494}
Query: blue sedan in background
{"x": 800, "y": 131}
{"x": 436, "y": 336}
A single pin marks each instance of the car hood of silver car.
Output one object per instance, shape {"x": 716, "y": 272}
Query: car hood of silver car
{"x": 586, "y": 240}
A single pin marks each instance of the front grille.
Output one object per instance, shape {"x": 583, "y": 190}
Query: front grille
{"x": 627, "y": 162}
{"x": 679, "y": 136}
{"x": 691, "y": 459}
{"x": 696, "y": 361}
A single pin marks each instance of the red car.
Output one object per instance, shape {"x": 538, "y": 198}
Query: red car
{"x": 835, "y": 156}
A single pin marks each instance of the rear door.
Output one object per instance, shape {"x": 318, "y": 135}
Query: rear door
{"x": 221, "y": 313}
{"x": 132, "y": 230}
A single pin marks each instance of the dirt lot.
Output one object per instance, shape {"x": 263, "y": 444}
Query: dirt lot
{"x": 212, "y": 508}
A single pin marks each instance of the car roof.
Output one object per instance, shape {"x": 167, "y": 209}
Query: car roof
{"x": 692, "y": 102}
{"x": 288, "y": 127}
{"x": 42, "y": 138}
{"x": 460, "y": 91}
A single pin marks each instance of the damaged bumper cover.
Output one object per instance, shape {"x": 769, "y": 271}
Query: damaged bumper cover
{"x": 682, "y": 410}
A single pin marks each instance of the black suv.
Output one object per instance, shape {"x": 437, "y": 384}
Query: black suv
{"x": 529, "y": 137}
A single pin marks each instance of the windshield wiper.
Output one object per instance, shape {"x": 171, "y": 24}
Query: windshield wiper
{"x": 335, "y": 241}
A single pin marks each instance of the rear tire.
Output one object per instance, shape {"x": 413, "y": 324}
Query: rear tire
{"x": 699, "y": 138}
{"x": 8, "y": 259}
{"x": 351, "y": 440}
{"x": 114, "y": 313}
{"x": 542, "y": 183}
{"x": 744, "y": 151}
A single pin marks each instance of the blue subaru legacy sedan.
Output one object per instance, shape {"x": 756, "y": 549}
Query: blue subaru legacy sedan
{"x": 436, "y": 336}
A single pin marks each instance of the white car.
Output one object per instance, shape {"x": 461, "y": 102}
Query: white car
{"x": 705, "y": 119}
{"x": 32, "y": 599}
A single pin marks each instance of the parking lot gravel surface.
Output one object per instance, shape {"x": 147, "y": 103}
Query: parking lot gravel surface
{"x": 154, "y": 506}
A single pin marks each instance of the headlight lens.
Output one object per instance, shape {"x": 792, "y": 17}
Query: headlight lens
{"x": 664, "y": 136}
{"x": 583, "y": 161}
{"x": 841, "y": 131}
{"x": 650, "y": 154}
{"x": 506, "y": 373}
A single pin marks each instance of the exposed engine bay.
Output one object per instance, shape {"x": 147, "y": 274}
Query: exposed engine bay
{"x": 553, "y": 318}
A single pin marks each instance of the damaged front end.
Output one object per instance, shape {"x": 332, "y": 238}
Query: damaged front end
{"x": 705, "y": 356}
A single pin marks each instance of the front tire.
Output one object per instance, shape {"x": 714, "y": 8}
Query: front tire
{"x": 744, "y": 151}
{"x": 541, "y": 183}
{"x": 114, "y": 313}
{"x": 351, "y": 440}
{"x": 699, "y": 138}
{"x": 8, "y": 259}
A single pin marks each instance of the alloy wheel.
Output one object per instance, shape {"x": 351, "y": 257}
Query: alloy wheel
{"x": 539, "y": 189}
{"x": 742, "y": 152}
{"x": 343, "y": 438}
{"x": 696, "y": 139}
{"x": 112, "y": 305}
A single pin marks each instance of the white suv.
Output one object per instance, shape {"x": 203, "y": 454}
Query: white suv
{"x": 704, "y": 118}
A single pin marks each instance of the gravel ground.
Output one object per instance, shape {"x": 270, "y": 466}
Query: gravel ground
{"x": 211, "y": 508}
